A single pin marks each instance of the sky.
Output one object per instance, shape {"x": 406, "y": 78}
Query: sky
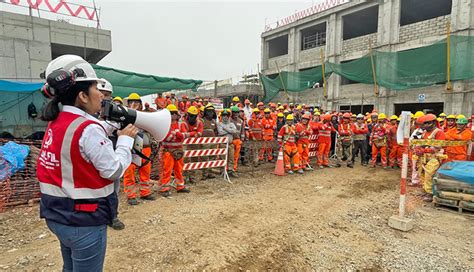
{"x": 204, "y": 40}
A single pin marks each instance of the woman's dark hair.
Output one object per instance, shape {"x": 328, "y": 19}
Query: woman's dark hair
{"x": 65, "y": 97}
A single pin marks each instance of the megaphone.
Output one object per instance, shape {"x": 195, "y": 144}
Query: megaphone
{"x": 156, "y": 123}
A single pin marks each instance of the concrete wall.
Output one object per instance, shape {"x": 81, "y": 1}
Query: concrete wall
{"x": 358, "y": 44}
{"x": 433, "y": 27}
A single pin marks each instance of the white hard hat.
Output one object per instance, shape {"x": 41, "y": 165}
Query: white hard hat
{"x": 73, "y": 63}
{"x": 360, "y": 116}
{"x": 104, "y": 85}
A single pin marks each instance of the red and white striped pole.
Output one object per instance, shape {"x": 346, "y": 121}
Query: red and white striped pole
{"x": 400, "y": 222}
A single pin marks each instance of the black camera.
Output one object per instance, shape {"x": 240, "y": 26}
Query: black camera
{"x": 118, "y": 113}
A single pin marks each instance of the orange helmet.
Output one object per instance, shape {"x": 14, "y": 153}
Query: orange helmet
{"x": 429, "y": 118}
{"x": 260, "y": 104}
{"x": 306, "y": 116}
{"x": 326, "y": 117}
{"x": 346, "y": 115}
{"x": 184, "y": 97}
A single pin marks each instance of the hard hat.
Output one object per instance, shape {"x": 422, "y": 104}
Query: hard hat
{"x": 299, "y": 108}
{"x": 134, "y": 97}
{"x": 317, "y": 113}
{"x": 267, "y": 110}
{"x": 236, "y": 99}
{"x": 327, "y": 117}
{"x": 462, "y": 121}
{"x": 184, "y": 97}
{"x": 104, "y": 85}
{"x": 451, "y": 116}
{"x": 247, "y": 101}
{"x": 393, "y": 117}
{"x": 442, "y": 114}
{"x": 398, "y": 119}
{"x": 382, "y": 116}
{"x": 260, "y": 104}
{"x": 306, "y": 116}
{"x": 225, "y": 112}
{"x": 234, "y": 109}
{"x": 196, "y": 97}
{"x": 118, "y": 98}
{"x": 360, "y": 116}
{"x": 281, "y": 108}
{"x": 291, "y": 105}
{"x": 82, "y": 70}
{"x": 290, "y": 117}
{"x": 172, "y": 108}
{"x": 354, "y": 115}
{"x": 374, "y": 113}
{"x": 193, "y": 110}
{"x": 209, "y": 106}
{"x": 429, "y": 118}
{"x": 256, "y": 110}
{"x": 460, "y": 116}
{"x": 279, "y": 104}
{"x": 202, "y": 108}
{"x": 421, "y": 119}
{"x": 418, "y": 114}
{"x": 280, "y": 115}
{"x": 273, "y": 105}
{"x": 346, "y": 115}
{"x": 286, "y": 111}
{"x": 439, "y": 119}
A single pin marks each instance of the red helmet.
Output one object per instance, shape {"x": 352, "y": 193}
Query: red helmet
{"x": 429, "y": 118}
{"x": 326, "y": 117}
{"x": 346, "y": 115}
{"x": 184, "y": 97}
{"x": 260, "y": 104}
{"x": 306, "y": 116}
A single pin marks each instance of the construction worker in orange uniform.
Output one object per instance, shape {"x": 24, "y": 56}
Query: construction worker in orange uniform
{"x": 144, "y": 169}
{"x": 287, "y": 140}
{"x": 172, "y": 160}
{"x": 345, "y": 136}
{"x": 462, "y": 133}
{"x": 160, "y": 102}
{"x": 450, "y": 123}
{"x": 314, "y": 124}
{"x": 237, "y": 139}
{"x": 442, "y": 120}
{"x": 324, "y": 141}
{"x": 269, "y": 126}
{"x": 396, "y": 151}
{"x": 378, "y": 141}
{"x": 184, "y": 104}
{"x": 255, "y": 135}
{"x": 261, "y": 108}
{"x": 192, "y": 127}
{"x": 303, "y": 132}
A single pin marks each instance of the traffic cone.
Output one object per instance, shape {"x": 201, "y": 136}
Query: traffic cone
{"x": 279, "y": 167}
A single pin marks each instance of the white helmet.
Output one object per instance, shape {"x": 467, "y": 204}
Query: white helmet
{"x": 71, "y": 63}
{"x": 360, "y": 116}
{"x": 104, "y": 85}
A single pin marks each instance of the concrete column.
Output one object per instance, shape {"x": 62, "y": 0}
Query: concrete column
{"x": 462, "y": 16}
{"x": 292, "y": 49}
{"x": 333, "y": 49}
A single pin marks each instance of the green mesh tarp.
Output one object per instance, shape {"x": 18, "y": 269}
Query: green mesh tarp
{"x": 420, "y": 67}
{"x": 125, "y": 82}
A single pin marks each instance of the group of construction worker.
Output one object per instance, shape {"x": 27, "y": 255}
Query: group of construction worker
{"x": 303, "y": 134}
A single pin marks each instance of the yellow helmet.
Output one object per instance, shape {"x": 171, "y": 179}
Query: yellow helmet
{"x": 280, "y": 114}
{"x": 286, "y": 111}
{"x": 459, "y": 116}
{"x": 236, "y": 99}
{"x": 316, "y": 113}
{"x": 118, "y": 98}
{"x": 418, "y": 114}
{"x": 209, "y": 106}
{"x": 202, "y": 108}
{"x": 193, "y": 110}
{"x": 172, "y": 108}
{"x": 256, "y": 110}
{"x": 354, "y": 115}
{"x": 382, "y": 116}
{"x": 451, "y": 116}
{"x": 134, "y": 97}
{"x": 280, "y": 108}
{"x": 442, "y": 114}
{"x": 299, "y": 107}
{"x": 393, "y": 117}
{"x": 290, "y": 117}
{"x": 398, "y": 119}
{"x": 267, "y": 110}
{"x": 439, "y": 119}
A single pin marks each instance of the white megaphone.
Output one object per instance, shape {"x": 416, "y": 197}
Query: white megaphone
{"x": 156, "y": 123}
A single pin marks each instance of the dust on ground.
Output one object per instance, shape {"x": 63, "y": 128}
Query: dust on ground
{"x": 331, "y": 219}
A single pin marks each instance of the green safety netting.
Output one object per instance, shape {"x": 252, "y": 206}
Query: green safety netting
{"x": 125, "y": 82}
{"x": 401, "y": 70}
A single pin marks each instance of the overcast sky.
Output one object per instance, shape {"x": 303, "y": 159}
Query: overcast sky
{"x": 190, "y": 39}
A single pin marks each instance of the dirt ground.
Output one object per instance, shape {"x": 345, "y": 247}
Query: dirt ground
{"x": 331, "y": 219}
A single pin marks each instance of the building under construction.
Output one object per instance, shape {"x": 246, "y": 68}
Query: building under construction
{"x": 348, "y": 31}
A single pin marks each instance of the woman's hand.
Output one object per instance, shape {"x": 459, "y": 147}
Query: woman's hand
{"x": 130, "y": 130}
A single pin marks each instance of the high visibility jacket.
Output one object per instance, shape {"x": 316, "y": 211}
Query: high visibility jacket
{"x": 379, "y": 134}
{"x": 451, "y": 130}
{"x": 303, "y": 132}
{"x": 392, "y": 135}
{"x": 345, "y": 132}
{"x": 287, "y": 134}
{"x": 72, "y": 190}
{"x": 160, "y": 102}
{"x": 456, "y": 135}
{"x": 255, "y": 129}
{"x": 436, "y": 134}
{"x": 192, "y": 131}
{"x": 183, "y": 106}
{"x": 315, "y": 127}
{"x": 175, "y": 137}
{"x": 279, "y": 125}
{"x": 359, "y": 131}
{"x": 268, "y": 128}
{"x": 324, "y": 135}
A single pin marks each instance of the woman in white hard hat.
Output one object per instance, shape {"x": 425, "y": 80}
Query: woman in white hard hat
{"x": 77, "y": 164}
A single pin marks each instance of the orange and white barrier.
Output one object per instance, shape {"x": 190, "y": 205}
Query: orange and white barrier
{"x": 200, "y": 153}
{"x": 313, "y": 146}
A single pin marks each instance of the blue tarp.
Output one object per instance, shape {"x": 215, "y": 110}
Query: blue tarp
{"x": 19, "y": 86}
{"x": 15, "y": 155}
{"x": 459, "y": 170}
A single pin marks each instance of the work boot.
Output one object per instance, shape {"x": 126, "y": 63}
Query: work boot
{"x": 300, "y": 171}
{"x": 337, "y": 165}
{"x": 132, "y": 201}
{"x": 350, "y": 165}
{"x": 184, "y": 190}
{"x": 150, "y": 197}
{"x": 233, "y": 174}
{"x": 117, "y": 224}
{"x": 309, "y": 168}
{"x": 428, "y": 198}
{"x": 321, "y": 167}
{"x": 165, "y": 193}
{"x": 372, "y": 166}
{"x": 290, "y": 172}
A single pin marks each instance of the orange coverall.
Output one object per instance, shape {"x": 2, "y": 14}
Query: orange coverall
{"x": 303, "y": 132}
{"x": 324, "y": 143}
{"x": 378, "y": 138}
{"x": 129, "y": 179}
{"x": 237, "y": 142}
{"x": 287, "y": 138}
{"x": 269, "y": 126}
{"x": 458, "y": 153}
{"x": 169, "y": 165}
{"x": 396, "y": 150}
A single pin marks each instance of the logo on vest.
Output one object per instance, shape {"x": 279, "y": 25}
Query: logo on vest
{"x": 49, "y": 139}
{"x": 48, "y": 160}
